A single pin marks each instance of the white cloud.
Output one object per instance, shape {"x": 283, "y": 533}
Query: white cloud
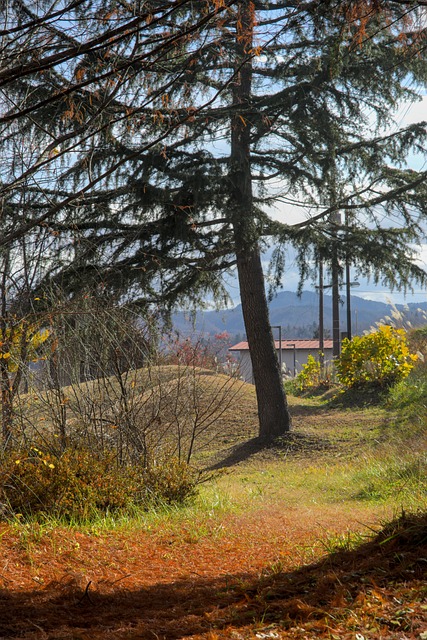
{"x": 413, "y": 112}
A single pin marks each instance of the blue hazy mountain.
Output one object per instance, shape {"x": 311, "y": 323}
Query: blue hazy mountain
{"x": 298, "y": 316}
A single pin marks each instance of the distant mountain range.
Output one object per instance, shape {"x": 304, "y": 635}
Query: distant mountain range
{"x": 299, "y": 316}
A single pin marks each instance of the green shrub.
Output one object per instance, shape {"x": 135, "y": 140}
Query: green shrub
{"x": 379, "y": 359}
{"x": 79, "y": 483}
{"x": 409, "y": 398}
{"x": 400, "y": 478}
{"x": 170, "y": 481}
{"x": 314, "y": 377}
{"x": 410, "y": 393}
{"x": 417, "y": 339}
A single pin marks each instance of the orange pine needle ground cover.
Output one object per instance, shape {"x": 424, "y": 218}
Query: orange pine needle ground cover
{"x": 264, "y": 575}
{"x": 260, "y": 574}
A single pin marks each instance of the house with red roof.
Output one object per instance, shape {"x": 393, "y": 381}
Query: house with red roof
{"x": 292, "y": 354}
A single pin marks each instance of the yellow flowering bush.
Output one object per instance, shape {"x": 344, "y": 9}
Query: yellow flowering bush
{"x": 13, "y": 340}
{"x": 380, "y": 358}
{"x": 310, "y": 375}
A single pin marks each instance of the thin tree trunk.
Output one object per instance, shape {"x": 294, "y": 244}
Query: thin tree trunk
{"x": 6, "y": 399}
{"x": 59, "y": 404}
{"x": 274, "y": 418}
{"x": 6, "y": 406}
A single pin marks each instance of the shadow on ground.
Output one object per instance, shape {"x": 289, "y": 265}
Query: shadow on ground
{"x": 380, "y": 585}
{"x": 293, "y": 444}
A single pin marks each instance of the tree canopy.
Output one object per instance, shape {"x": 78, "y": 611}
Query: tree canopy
{"x": 124, "y": 115}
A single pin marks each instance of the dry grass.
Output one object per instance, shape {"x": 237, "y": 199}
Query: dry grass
{"x": 159, "y": 405}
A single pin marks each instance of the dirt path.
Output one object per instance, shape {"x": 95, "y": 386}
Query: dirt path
{"x": 150, "y": 585}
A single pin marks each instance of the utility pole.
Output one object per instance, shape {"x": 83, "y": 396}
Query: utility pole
{"x": 294, "y": 347}
{"x": 335, "y": 276}
{"x": 321, "y": 288}
{"x": 321, "y": 316}
{"x": 348, "y": 284}
{"x": 347, "y": 293}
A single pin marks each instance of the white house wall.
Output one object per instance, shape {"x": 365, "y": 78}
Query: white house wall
{"x": 245, "y": 365}
{"x": 301, "y": 357}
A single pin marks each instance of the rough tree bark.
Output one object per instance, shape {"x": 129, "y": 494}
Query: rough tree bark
{"x": 274, "y": 418}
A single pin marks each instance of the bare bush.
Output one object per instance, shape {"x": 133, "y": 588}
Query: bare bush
{"x": 107, "y": 387}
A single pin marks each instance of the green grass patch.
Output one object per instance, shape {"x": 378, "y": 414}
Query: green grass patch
{"x": 400, "y": 478}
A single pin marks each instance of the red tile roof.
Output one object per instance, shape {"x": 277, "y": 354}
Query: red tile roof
{"x": 287, "y": 344}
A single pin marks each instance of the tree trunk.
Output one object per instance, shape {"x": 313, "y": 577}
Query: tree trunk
{"x": 6, "y": 406}
{"x": 273, "y": 414}
{"x": 6, "y": 400}
{"x": 274, "y": 419}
